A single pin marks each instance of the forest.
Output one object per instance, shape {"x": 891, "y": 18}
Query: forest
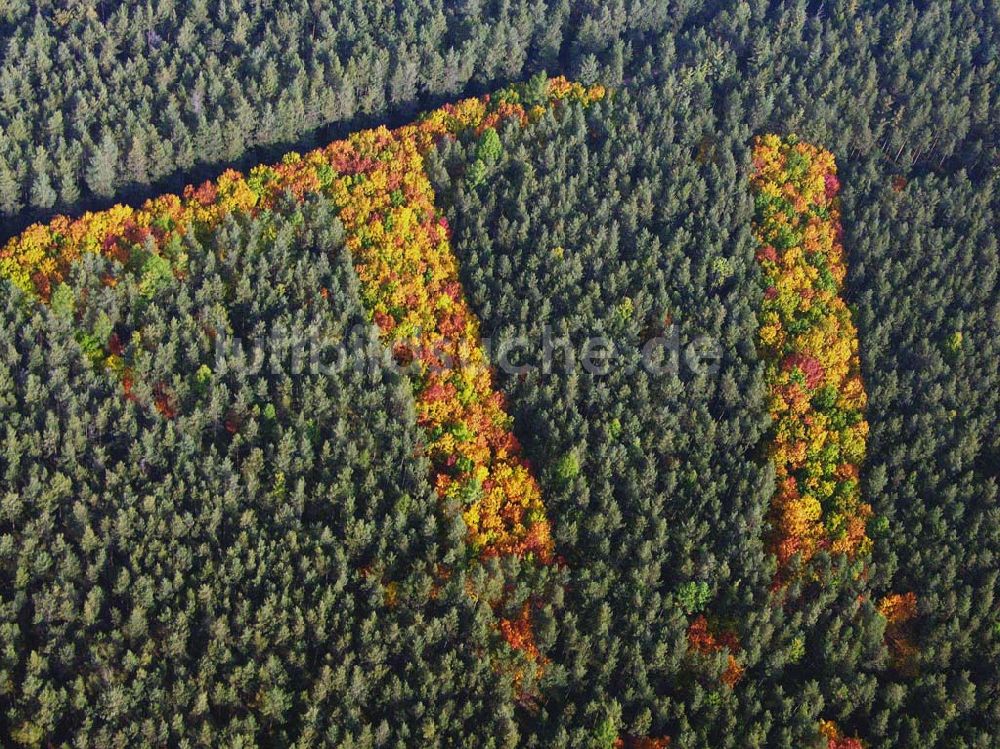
{"x": 296, "y": 444}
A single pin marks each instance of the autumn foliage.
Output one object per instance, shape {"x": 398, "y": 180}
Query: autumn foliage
{"x": 704, "y": 641}
{"x": 810, "y": 346}
{"x": 835, "y": 738}
{"x": 900, "y": 612}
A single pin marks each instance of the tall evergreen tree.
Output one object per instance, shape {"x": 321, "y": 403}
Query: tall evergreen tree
{"x": 102, "y": 168}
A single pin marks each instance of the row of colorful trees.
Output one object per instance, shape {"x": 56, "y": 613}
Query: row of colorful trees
{"x": 810, "y": 345}
{"x": 409, "y": 281}
{"x": 817, "y": 397}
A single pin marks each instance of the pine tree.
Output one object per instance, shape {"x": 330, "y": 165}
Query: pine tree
{"x": 42, "y": 193}
{"x": 10, "y": 191}
{"x": 102, "y": 168}
{"x": 137, "y": 163}
{"x": 69, "y": 186}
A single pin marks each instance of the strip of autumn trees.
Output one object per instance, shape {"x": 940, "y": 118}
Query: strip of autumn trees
{"x": 810, "y": 347}
{"x": 410, "y": 286}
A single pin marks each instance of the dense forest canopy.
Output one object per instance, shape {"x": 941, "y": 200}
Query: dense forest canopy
{"x": 203, "y": 543}
{"x": 104, "y": 99}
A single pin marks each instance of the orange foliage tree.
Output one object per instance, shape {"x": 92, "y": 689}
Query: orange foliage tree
{"x": 835, "y": 739}
{"x": 703, "y": 641}
{"x": 900, "y": 612}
